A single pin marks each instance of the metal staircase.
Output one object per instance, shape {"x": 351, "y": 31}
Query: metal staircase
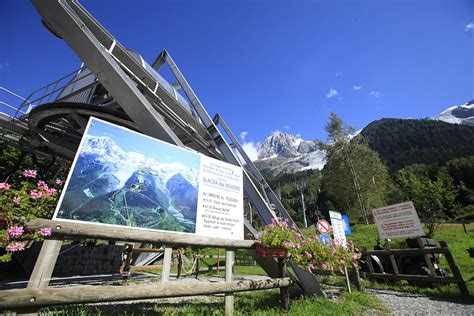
{"x": 155, "y": 112}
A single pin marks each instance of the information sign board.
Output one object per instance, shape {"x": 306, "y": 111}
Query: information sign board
{"x": 121, "y": 177}
{"x": 398, "y": 221}
{"x": 338, "y": 227}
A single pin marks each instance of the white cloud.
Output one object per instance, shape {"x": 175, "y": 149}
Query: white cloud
{"x": 243, "y": 135}
{"x": 251, "y": 149}
{"x": 469, "y": 27}
{"x": 356, "y": 88}
{"x": 331, "y": 93}
{"x": 287, "y": 127}
{"x": 338, "y": 73}
{"x": 375, "y": 94}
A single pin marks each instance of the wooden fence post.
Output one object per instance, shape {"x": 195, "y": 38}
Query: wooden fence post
{"x": 454, "y": 268}
{"x": 284, "y": 291}
{"x": 357, "y": 280}
{"x": 180, "y": 262}
{"x": 165, "y": 272}
{"x": 45, "y": 263}
{"x": 229, "y": 277}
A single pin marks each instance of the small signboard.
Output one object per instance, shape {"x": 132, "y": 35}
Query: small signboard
{"x": 398, "y": 221}
{"x": 338, "y": 227}
{"x": 323, "y": 226}
{"x": 124, "y": 178}
{"x": 325, "y": 240}
{"x": 347, "y": 226}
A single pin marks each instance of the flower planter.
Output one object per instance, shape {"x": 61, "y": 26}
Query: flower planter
{"x": 270, "y": 252}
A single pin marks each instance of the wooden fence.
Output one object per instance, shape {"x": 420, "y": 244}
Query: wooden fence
{"x": 37, "y": 294}
{"x": 425, "y": 253}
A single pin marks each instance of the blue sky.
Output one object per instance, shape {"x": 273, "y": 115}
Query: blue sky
{"x": 266, "y": 65}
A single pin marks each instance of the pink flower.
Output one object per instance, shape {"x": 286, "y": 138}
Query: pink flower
{"x": 15, "y": 231}
{"x": 288, "y": 244}
{"x": 298, "y": 235}
{"x": 308, "y": 254}
{"x": 42, "y": 185}
{"x": 30, "y": 173}
{"x": 51, "y": 191}
{"x": 271, "y": 225}
{"x": 59, "y": 182}
{"x": 16, "y": 200}
{"x": 310, "y": 266}
{"x": 333, "y": 251}
{"x": 34, "y": 194}
{"x": 16, "y": 246}
{"x": 355, "y": 257}
{"x": 324, "y": 266}
{"x": 4, "y": 186}
{"x": 45, "y": 232}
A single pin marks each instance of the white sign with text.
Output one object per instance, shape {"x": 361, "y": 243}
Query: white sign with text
{"x": 398, "y": 221}
{"x": 338, "y": 227}
{"x": 220, "y": 206}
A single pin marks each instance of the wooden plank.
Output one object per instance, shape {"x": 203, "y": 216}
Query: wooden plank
{"x": 68, "y": 229}
{"x": 229, "y": 278}
{"x": 428, "y": 262}
{"x": 26, "y": 298}
{"x": 45, "y": 263}
{"x": 454, "y": 268}
{"x": 437, "y": 279}
{"x": 165, "y": 273}
{"x": 407, "y": 252}
{"x": 388, "y": 247}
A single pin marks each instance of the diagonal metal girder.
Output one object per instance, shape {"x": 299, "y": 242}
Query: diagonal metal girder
{"x": 63, "y": 20}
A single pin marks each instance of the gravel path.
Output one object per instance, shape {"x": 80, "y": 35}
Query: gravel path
{"x": 402, "y": 303}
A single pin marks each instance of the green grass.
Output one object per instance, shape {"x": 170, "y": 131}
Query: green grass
{"x": 458, "y": 241}
{"x": 255, "y": 303}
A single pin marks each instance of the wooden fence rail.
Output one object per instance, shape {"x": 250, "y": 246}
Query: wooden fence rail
{"x": 85, "y": 230}
{"x": 27, "y": 298}
{"x": 37, "y": 294}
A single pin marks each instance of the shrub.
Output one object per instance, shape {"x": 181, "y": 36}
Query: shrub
{"x": 22, "y": 200}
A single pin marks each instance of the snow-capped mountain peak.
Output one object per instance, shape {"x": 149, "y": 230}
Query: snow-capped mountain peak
{"x": 283, "y": 152}
{"x": 459, "y": 114}
{"x": 103, "y": 146}
{"x": 284, "y": 145}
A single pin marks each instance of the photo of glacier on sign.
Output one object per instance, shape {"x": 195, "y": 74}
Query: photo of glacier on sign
{"x": 122, "y": 177}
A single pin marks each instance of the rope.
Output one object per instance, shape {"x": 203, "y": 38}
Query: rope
{"x": 195, "y": 259}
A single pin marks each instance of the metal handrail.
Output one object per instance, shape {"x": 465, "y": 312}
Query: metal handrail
{"x": 45, "y": 88}
{"x": 17, "y": 96}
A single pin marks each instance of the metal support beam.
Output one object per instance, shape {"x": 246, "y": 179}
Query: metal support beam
{"x": 67, "y": 24}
